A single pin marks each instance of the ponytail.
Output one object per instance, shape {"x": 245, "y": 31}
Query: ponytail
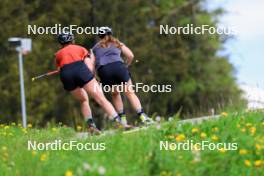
{"x": 108, "y": 39}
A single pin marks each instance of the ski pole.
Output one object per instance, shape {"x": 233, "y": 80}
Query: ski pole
{"x": 45, "y": 75}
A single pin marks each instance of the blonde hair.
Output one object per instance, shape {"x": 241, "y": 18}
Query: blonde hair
{"x": 108, "y": 39}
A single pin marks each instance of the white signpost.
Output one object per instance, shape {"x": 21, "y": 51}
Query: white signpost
{"x": 22, "y": 46}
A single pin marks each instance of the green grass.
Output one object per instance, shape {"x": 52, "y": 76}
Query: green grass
{"x": 139, "y": 153}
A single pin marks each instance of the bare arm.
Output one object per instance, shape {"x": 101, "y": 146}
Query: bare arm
{"x": 90, "y": 62}
{"x": 127, "y": 53}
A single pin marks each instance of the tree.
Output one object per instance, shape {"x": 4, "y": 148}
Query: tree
{"x": 200, "y": 78}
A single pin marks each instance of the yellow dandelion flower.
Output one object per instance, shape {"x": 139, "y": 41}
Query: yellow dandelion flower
{"x": 243, "y": 130}
{"x": 258, "y": 163}
{"x": 258, "y": 146}
{"x": 54, "y": 129}
{"x": 4, "y": 148}
{"x": 2, "y": 125}
{"x": 34, "y": 153}
{"x": 170, "y": 137}
{"x": 43, "y": 157}
{"x": 180, "y": 137}
{"x": 224, "y": 114}
{"x": 222, "y": 150}
{"x": 203, "y": 135}
{"x": 253, "y": 130}
{"x": 5, "y": 155}
{"x": 215, "y": 129}
{"x": 180, "y": 157}
{"x": 24, "y": 130}
{"x": 243, "y": 151}
{"x": 214, "y": 138}
{"x": 195, "y": 130}
{"x": 248, "y": 124}
{"x": 6, "y": 127}
{"x": 247, "y": 163}
{"x": 29, "y": 125}
{"x": 262, "y": 123}
{"x": 79, "y": 128}
{"x": 68, "y": 173}
{"x": 164, "y": 173}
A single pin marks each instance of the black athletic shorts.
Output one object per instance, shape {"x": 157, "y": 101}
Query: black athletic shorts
{"x": 74, "y": 75}
{"x": 113, "y": 74}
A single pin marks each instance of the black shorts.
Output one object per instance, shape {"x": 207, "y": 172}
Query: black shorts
{"x": 75, "y": 75}
{"x": 114, "y": 73}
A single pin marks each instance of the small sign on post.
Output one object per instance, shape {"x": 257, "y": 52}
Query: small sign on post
{"x": 23, "y": 47}
{"x": 26, "y": 45}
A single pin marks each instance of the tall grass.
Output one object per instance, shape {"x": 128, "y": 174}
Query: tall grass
{"x": 139, "y": 153}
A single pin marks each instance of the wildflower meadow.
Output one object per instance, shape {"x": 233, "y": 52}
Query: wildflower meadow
{"x": 140, "y": 152}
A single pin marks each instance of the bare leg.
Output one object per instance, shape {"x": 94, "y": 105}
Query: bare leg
{"x": 132, "y": 97}
{"x": 82, "y": 96}
{"x": 96, "y": 92}
{"x": 135, "y": 102}
{"x": 117, "y": 101}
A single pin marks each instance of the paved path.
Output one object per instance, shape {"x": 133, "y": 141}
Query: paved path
{"x": 197, "y": 120}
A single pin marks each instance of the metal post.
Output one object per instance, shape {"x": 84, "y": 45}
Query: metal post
{"x": 22, "y": 89}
